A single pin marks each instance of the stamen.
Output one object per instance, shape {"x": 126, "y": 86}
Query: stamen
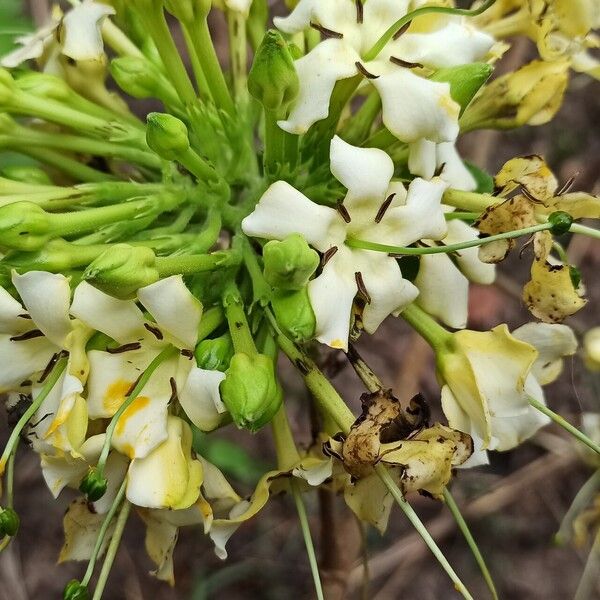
{"x": 187, "y": 353}
{"x": 440, "y": 170}
{"x": 567, "y": 186}
{"x": 28, "y": 335}
{"x": 343, "y": 211}
{"x": 50, "y": 365}
{"x": 359, "y": 11}
{"x": 530, "y": 196}
{"x": 326, "y": 33}
{"x": 383, "y": 208}
{"x": 402, "y": 30}
{"x": 173, "y": 385}
{"x": 364, "y": 71}
{"x": 155, "y": 331}
{"x": 328, "y": 255}
{"x": 25, "y": 316}
{"x": 124, "y": 348}
{"x": 405, "y": 63}
{"x": 361, "y": 287}
{"x": 133, "y": 385}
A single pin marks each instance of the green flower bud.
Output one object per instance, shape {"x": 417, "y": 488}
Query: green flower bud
{"x": 137, "y": 77}
{"x": 9, "y": 522}
{"x": 273, "y": 80}
{"x": 74, "y": 590}
{"x": 166, "y": 135}
{"x": 43, "y": 85}
{"x": 7, "y": 87}
{"x": 24, "y": 226}
{"x": 122, "y": 270}
{"x": 294, "y": 314}
{"x": 561, "y": 222}
{"x": 290, "y": 263}
{"x": 250, "y": 390}
{"x": 465, "y": 81}
{"x": 93, "y": 485}
{"x": 27, "y": 174}
{"x": 214, "y": 354}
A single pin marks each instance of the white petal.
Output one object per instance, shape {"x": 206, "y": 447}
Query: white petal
{"x": 114, "y": 471}
{"x": 174, "y": 308}
{"x": 10, "y": 309}
{"x": 80, "y": 31}
{"x": 437, "y": 278}
{"x": 283, "y": 210}
{"x": 453, "y": 45}
{"x": 31, "y": 46}
{"x": 365, "y": 172}
{"x": 378, "y": 15}
{"x": 422, "y": 217}
{"x": 468, "y": 259}
{"x": 415, "y": 107}
{"x": 298, "y": 19}
{"x": 241, "y": 6}
{"x": 220, "y": 533}
{"x": 389, "y": 292}
{"x": 553, "y": 342}
{"x": 121, "y": 320}
{"x": 331, "y": 296}
{"x": 201, "y": 400}
{"x": 314, "y": 474}
{"x": 454, "y": 172}
{"x": 318, "y": 72}
{"x": 46, "y": 297}
{"x": 422, "y": 158}
{"x": 20, "y": 360}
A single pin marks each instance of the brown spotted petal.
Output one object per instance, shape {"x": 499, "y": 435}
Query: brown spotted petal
{"x": 516, "y": 213}
{"x": 529, "y": 172}
{"x": 578, "y": 204}
{"x": 550, "y": 294}
{"x": 427, "y": 458}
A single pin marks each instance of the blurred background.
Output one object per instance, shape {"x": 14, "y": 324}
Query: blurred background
{"x": 514, "y": 506}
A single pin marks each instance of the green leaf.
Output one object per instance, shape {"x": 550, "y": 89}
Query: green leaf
{"x": 485, "y": 182}
{"x": 13, "y": 22}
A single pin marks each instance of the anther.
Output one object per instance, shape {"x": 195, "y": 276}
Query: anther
{"x": 361, "y": 287}
{"x": 359, "y": 11}
{"x": 343, "y": 211}
{"x": 383, "y": 208}
{"x": 328, "y": 255}
{"x": 405, "y": 63}
{"x": 326, "y": 33}
{"x": 364, "y": 71}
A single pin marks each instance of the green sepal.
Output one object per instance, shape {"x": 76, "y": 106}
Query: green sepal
{"x": 294, "y": 314}
{"x": 214, "y": 354}
{"x": 93, "y": 485}
{"x": 465, "y": 81}
{"x": 75, "y": 590}
{"x": 290, "y": 263}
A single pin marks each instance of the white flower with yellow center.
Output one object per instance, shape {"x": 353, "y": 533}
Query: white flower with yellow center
{"x": 375, "y": 209}
{"x": 488, "y": 378}
{"x": 114, "y": 371}
{"x": 414, "y": 107}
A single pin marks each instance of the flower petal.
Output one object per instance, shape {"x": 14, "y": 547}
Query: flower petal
{"x": 454, "y": 172}
{"x": 13, "y": 318}
{"x": 467, "y": 259}
{"x": 121, "y": 320}
{"x": 174, "y": 308}
{"x": 415, "y": 107}
{"x": 318, "y": 72}
{"x": 298, "y": 19}
{"x": 283, "y": 210}
{"x": 388, "y": 292}
{"x": 46, "y": 297}
{"x": 422, "y": 158}
{"x": 331, "y": 296}
{"x": 20, "y": 360}
{"x": 201, "y": 400}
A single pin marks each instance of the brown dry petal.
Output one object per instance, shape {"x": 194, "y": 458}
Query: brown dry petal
{"x": 516, "y": 213}
{"x": 161, "y": 538}
{"x": 585, "y": 523}
{"x": 529, "y": 172}
{"x": 550, "y": 294}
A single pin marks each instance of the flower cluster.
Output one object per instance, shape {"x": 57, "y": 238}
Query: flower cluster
{"x": 153, "y": 269}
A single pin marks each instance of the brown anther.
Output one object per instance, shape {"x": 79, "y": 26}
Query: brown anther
{"x": 530, "y": 196}
{"x": 328, "y": 255}
{"x": 567, "y": 186}
{"x": 405, "y": 63}
{"x": 360, "y": 284}
{"x": 124, "y": 348}
{"x": 364, "y": 71}
{"x": 173, "y": 385}
{"x": 155, "y": 331}
{"x": 187, "y": 353}
{"x": 326, "y": 33}
{"x": 343, "y": 211}
{"x": 359, "y": 11}
{"x": 24, "y": 316}
{"x": 402, "y": 30}
{"x": 439, "y": 170}
{"x": 53, "y": 360}
{"x": 383, "y": 208}
{"x": 28, "y": 335}
{"x": 133, "y": 386}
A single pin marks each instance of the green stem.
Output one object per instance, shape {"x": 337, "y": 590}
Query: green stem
{"x": 562, "y": 422}
{"x": 412, "y": 516}
{"x": 238, "y": 53}
{"x": 211, "y": 319}
{"x": 198, "y": 166}
{"x": 261, "y": 290}
{"x": 239, "y": 328}
{"x": 201, "y": 82}
{"x": 195, "y": 263}
{"x": 50, "y": 382}
{"x": 463, "y": 216}
{"x": 274, "y": 145}
{"x": 10, "y": 476}
{"x": 118, "y": 41}
{"x": 470, "y": 201}
{"x": 166, "y": 354}
{"x": 383, "y": 138}
{"x": 358, "y": 128}
{"x": 426, "y": 326}
{"x": 583, "y": 230}
{"x": 102, "y": 533}
{"x": 115, "y": 540}
{"x": 400, "y": 23}
{"x": 354, "y": 243}
{"x": 464, "y": 528}
{"x": 308, "y": 542}
{"x": 287, "y": 453}
{"x": 211, "y": 230}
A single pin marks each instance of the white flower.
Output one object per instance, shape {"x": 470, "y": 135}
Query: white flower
{"x": 489, "y": 376}
{"x": 375, "y": 209}
{"x": 176, "y": 313}
{"x": 413, "y": 106}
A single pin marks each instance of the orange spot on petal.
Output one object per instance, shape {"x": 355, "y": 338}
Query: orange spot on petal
{"x": 138, "y": 404}
{"x": 115, "y": 395}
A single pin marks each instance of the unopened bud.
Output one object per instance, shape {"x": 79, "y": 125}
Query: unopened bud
{"x": 9, "y": 522}
{"x": 27, "y": 174}
{"x": 75, "y": 590}
{"x": 93, "y": 485}
{"x": 122, "y": 270}
{"x": 214, "y": 354}
{"x": 294, "y": 314}
{"x": 43, "y": 85}
{"x": 7, "y": 87}
{"x": 137, "y": 76}
{"x": 290, "y": 263}
{"x": 167, "y": 135}
{"x": 24, "y": 226}
{"x": 250, "y": 390}
{"x": 465, "y": 81}
{"x": 273, "y": 80}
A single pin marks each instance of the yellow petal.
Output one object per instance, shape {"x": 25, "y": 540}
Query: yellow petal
{"x": 530, "y": 172}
